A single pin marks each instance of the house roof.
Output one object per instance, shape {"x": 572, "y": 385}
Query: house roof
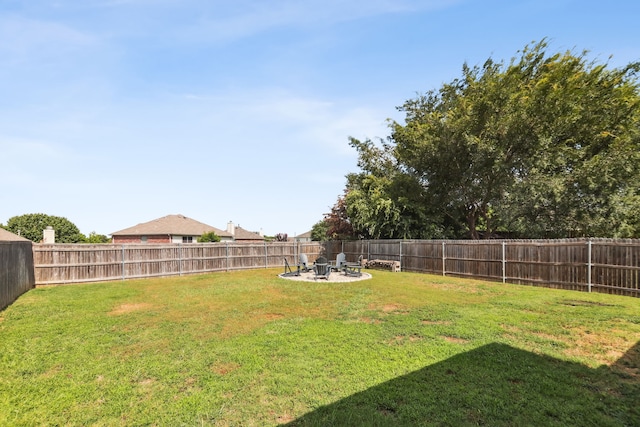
{"x": 242, "y": 234}
{"x": 7, "y": 236}
{"x": 304, "y": 235}
{"x": 171, "y": 225}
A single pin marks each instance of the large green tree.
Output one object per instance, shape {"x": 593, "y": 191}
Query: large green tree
{"x": 582, "y": 178}
{"x": 385, "y": 202}
{"x": 546, "y": 146}
{"x": 31, "y": 226}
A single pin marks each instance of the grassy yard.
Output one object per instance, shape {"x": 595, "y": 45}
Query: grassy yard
{"x": 248, "y": 348}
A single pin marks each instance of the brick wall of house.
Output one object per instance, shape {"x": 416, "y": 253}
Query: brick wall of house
{"x": 136, "y": 239}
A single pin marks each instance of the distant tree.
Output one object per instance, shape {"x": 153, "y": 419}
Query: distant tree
{"x": 319, "y": 231}
{"x": 97, "y": 238}
{"x": 31, "y": 226}
{"x": 209, "y": 237}
{"x": 339, "y": 226}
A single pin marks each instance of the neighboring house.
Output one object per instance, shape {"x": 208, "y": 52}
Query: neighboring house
{"x": 304, "y": 237}
{"x": 243, "y": 236}
{"x": 7, "y": 236}
{"x": 168, "y": 229}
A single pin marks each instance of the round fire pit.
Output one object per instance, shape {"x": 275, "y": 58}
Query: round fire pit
{"x": 334, "y": 277}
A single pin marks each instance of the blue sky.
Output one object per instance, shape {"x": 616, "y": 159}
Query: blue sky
{"x": 117, "y": 112}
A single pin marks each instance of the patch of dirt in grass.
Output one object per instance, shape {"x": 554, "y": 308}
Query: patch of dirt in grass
{"x": 604, "y": 349}
{"x": 273, "y": 316}
{"x": 386, "y": 308}
{"x": 52, "y": 372}
{"x": 512, "y": 333}
{"x": 284, "y": 418}
{"x": 389, "y": 308}
{"x": 146, "y": 382}
{"x": 189, "y": 386}
{"x": 454, "y": 340}
{"x": 224, "y": 368}
{"x": 129, "y": 308}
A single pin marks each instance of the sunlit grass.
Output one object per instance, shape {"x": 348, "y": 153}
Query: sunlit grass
{"x": 249, "y": 348}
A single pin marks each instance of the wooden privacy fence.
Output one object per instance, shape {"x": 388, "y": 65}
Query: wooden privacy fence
{"x": 16, "y": 270}
{"x": 77, "y": 263}
{"x": 601, "y": 265}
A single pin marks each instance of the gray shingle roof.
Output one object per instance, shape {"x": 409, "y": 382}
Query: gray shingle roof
{"x": 242, "y": 234}
{"x": 178, "y": 225}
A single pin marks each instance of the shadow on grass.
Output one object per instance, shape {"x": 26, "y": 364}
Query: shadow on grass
{"x": 496, "y": 385}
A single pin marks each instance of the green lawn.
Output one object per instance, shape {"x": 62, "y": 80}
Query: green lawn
{"x": 248, "y": 348}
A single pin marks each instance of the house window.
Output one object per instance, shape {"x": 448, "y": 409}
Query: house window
{"x": 187, "y": 239}
{"x": 143, "y": 239}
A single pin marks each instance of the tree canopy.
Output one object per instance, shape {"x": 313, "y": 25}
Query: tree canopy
{"x": 31, "y": 226}
{"x": 320, "y": 231}
{"x": 545, "y": 146}
{"x": 93, "y": 237}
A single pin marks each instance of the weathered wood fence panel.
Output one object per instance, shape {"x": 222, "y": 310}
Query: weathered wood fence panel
{"x": 77, "y": 263}
{"x": 555, "y": 264}
{"x": 615, "y": 266}
{"x": 602, "y": 265}
{"x": 16, "y": 270}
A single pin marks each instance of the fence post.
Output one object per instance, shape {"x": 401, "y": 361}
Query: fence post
{"x": 504, "y": 262}
{"x": 444, "y": 268}
{"x": 368, "y": 249}
{"x": 401, "y": 255}
{"x": 226, "y": 248}
{"x": 589, "y": 265}
{"x": 123, "y": 262}
{"x": 180, "y": 259}
{"x": 266, "y": 258}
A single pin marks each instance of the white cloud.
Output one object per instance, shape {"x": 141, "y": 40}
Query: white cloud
{"x": 310, "y": 123}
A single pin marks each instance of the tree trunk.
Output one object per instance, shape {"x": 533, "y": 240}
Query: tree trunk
{"x": 472, "y": 217}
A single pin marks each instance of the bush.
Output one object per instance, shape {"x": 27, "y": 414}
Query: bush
{"x": 209, "y": 237}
